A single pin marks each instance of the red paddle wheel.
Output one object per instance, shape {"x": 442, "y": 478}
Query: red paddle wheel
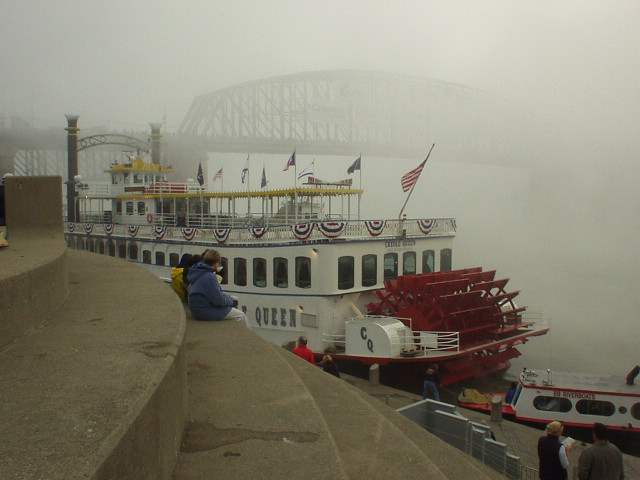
{"x": 471, "y": 302}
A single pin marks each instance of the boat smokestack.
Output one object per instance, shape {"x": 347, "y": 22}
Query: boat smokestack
{"x": 72, "y": 165}
{"x": 633, "y": 374}
{"x": 155, "y": 142}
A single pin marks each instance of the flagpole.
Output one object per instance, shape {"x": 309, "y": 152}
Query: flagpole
{"x": 414, "y": 186}
{"x": 360, "y": 185}
{"x": 295, "y": 186}
{"x": 248, "y": 196}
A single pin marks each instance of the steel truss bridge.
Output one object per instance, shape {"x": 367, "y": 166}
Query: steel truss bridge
{"x": 346, "y": 112}
{"x": 324, "y": 113}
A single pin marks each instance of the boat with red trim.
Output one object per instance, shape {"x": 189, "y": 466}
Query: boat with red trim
{"x": 302, "y": 261}
{"x": 575, "y": 399}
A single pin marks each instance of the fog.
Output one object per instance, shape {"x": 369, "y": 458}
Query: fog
{"x": 564, "y": 229}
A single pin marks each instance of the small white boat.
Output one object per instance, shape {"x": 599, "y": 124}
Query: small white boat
{"x": 575, "y": 399}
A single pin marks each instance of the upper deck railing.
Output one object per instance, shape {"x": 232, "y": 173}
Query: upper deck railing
{"x": 308, "y": 231}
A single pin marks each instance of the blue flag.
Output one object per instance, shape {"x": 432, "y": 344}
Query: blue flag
{"x": 355, "y": 166}
{"x": 263, "y": 182}
{"x": 200, "y": 176}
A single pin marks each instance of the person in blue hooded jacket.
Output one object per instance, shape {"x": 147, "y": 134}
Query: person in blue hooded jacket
{"x": 206, "y": 299}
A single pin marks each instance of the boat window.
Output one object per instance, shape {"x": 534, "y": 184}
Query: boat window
{"x": 174, "y": 259}
{"x": 240, "y": 271}
{"x": 552, "y": 404}
{"x": 595, "y": 407}
{"x": 390, "y": 266}
{"x": 122, "y": 250}
{"x": 369, "y": 270}
{"x": 129, "y": 206}
{"x": 202, "y": 207}
{"x": 225, "y": 278}
{"x": 141, "y": 208}
{"x": 345, "y": 273}
{"x": 137, "y": 178}
{"x": 119, "y": 206}
{"x": 428, "y": 261}
{"x": 159, "y": 258}
{"x": 445, "y": 260}
{"x": 69, "y": 242}
{"x": 280, "y": 272}
{"x": 163, "y": 207}
{"x": 101, "y": 247}
{"x": 111, "y": 248}
{"x": 259, "y": 272}
{"x": 635, "y": 411}
{"x": 408, "y": 263}
{"x": 303, "y": 272}
{"x": 146, "y": 256}
{"x": 133, "y": 251}
{"x": 91, "y": 246}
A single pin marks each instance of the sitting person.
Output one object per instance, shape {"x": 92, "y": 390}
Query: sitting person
{"x": 178, "y": 277}
{"x": 511, "y": 393}
{"x": 329, "y": 366}
{"x": 207, "y": 301}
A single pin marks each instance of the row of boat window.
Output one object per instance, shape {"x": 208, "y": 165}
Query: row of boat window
{"x": 166, "y": 206}
{"x": 394, "y": 264}
{"x": 601, "y": 408}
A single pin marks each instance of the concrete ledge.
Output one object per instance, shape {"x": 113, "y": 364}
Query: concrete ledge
{"x": 258, "y": 411}
{"x": 33, "y": 274}
{"x": 98, "y": 390}
{"x": 33, "y": 283}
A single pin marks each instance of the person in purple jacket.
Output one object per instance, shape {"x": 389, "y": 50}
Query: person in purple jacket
{"x": 206, "y": 299}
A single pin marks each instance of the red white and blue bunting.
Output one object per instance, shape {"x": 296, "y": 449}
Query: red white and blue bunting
{"x": 302, "y": 231}
{"x": 160, "y": 231}
{"x": 375, "y": 227}
{"x": 189, "y": 233}
{"x": 221, "y": 234}
{"x": 133, "y": 229}
{"x": 426, "y": 225}
{"x": 332, "y": 229}
{"x": 71, "y": 226}
{"x": 108, "y": 228}
{"x": 88, "y": 228}
{"x": 259, "y": 232}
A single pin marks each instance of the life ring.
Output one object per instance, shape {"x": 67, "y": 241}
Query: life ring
{"x": 150, "y": 217}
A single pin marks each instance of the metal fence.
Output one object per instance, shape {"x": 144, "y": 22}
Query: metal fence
{"x": 475, "y": 439}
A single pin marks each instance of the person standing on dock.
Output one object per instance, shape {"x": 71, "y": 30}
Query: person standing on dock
{"x": 602, "y": 460}
{"x": 552, "y": 454}
{"x": 303, "y": 351}
{"x": 431, "y": 383}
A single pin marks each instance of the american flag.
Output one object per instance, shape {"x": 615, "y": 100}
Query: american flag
{"x": 218, "y": 175}
{"x": 410, "y": 179}
{"x": 291, "y": 162}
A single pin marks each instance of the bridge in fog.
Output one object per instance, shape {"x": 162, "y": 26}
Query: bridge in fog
{"x": 330, "y": 113}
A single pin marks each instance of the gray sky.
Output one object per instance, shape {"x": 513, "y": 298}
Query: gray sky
{"x": 566, "y": 232}
{"x": 124, "y": 63}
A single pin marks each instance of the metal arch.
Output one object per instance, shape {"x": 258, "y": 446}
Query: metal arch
{"x": 350, "y": 111}
{"x": 112, "y": 139}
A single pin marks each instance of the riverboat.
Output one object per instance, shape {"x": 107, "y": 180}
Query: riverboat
{"x": 302, "y": 262}
{"x": 575, "y": 399}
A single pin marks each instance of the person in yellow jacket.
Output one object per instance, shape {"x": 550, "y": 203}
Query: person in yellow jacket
{"x": 178, "y": 275}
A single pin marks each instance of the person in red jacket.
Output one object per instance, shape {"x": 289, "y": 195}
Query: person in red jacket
{"x": 303, "y": 351}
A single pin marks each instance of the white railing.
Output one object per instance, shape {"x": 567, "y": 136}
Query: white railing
{"x": 539, "y": 320}
{"x": 241, "y": 233}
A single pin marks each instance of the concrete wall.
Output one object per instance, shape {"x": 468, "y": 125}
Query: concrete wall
{"x": 33, "y": 269}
